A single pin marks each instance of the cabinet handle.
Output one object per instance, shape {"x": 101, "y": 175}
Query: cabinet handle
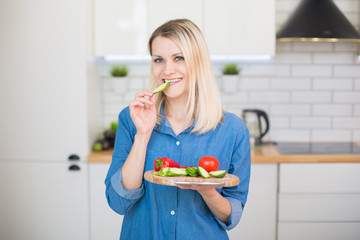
{"x": 74, "y": 168}
{"x": 73, "y": 157}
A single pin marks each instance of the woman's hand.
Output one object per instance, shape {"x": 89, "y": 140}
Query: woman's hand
{"x": 143, "y": 112}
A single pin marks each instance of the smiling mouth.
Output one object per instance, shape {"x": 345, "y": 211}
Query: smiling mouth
{"x": 172, "y": 81}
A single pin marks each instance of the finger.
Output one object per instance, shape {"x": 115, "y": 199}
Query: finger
{"x": 144, "y": 93}
{"x": 135, "y": 104}
{"x": 144, "y": 100}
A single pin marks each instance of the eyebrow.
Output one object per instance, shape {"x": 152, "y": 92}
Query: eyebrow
{"x": 175, "y": 54}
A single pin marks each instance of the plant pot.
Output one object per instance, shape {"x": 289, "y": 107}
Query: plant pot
{"x": 230, "y": 83}
{"x": 120, "y": 84}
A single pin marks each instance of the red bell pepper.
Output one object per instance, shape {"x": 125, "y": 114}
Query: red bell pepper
{"x": 160, "y": 163}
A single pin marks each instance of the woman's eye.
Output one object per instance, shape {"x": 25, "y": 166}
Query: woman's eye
{"x": 179, "y": 58}
{"x": 158, "y": 60}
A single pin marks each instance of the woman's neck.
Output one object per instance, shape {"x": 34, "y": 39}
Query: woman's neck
{"x": 175, "y": 109}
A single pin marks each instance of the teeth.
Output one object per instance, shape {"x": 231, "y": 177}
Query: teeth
{"x": 173, "y": 80}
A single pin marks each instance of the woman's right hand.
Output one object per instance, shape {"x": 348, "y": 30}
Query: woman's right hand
{"x": 143, "y": 112}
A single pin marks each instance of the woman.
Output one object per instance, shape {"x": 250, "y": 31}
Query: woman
{"x": 185, "y": 122}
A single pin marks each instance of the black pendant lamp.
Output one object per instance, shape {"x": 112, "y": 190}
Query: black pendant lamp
{"x": 318, "y": 21}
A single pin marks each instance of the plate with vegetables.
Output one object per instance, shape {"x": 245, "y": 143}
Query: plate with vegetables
{"x": 168, "y": 172}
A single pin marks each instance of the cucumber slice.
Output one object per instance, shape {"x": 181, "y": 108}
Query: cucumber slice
{"x": 161, "y": 87}
{"x": 218, "y": 174}
{"x": 203, "y": 172}
{"x": 164, "y": 171}
{"x": 176, "y": 172}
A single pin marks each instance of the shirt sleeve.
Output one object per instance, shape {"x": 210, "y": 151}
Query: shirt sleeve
{"x": 119, "y": 198}
{"x": 240, "y": 166}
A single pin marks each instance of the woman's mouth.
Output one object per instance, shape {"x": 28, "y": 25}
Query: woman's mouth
{"x": 173, "y": 80}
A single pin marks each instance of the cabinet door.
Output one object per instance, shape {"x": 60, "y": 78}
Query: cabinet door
{"x": 259, "y": 216}
{"x": 104, "y": 222}
{"x": 319, "y": 178}
{"x": 43, "y": 80}
{"x": 239, "y": 27}
{"x": 161, "y": 11}
{"x": 120, "y": 27}
{"x": 319, "y": 230}
{"x": 43, "y": 201}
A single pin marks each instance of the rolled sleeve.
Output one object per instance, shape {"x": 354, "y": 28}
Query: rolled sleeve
{"x": 117, "y": 184}
{"x": 235, "y": 215}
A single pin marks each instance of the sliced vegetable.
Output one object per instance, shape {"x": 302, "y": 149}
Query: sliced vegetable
{"x": 163, "y": 171}
{"x": 172, "y": 172}
{"x": 160, "y": 88}
{"x": 192, "y": 171}
{"x": 218, "y": 174}
{"x": 203, "y": 172}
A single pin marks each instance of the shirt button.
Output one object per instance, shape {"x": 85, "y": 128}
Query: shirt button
{"x": 172, "y": 212}
{"x": 178, "y": 143}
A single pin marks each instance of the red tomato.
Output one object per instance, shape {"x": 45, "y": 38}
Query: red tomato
{"x": 209, "y": 163}
{"x": 183, "y": 166}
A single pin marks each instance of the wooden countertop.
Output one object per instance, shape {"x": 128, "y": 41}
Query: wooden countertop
{"x": 262, "y": 154}
{"x": 269, "y": 154}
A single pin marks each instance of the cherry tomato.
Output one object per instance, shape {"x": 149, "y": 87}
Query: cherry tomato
{"x": 209, "y": 163}
{"x": 183, "y": 166}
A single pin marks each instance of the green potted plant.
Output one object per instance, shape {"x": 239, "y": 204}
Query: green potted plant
{"x": 230, "y": 77}
{"x": 119, "y": 78}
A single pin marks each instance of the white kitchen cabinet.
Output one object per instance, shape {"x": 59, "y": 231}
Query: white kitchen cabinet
{"x": 43, "y": 80}
{"x": 104, "y": 222}
{"x": 234, "y": 27}
{"x": 259, "y": 216}
{"x": 161, "y": 11}
{"x": 319, "y": 201}
{"x": 43, "y": 201}
{"x": 120, "y": 27}
{"x": 43, "y": 102}
{"x": 231, "y": 27}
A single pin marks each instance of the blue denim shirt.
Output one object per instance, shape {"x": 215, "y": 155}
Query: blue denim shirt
{"x": 164, "y": 212}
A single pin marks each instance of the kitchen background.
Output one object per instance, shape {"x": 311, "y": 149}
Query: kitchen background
{"x": 311, "y": 90}
{"x": 56, "y": 97}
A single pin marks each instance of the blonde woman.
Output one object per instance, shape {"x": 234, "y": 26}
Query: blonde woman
{"x": 184, "y": 123}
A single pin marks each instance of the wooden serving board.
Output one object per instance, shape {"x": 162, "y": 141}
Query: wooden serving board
{"x": 228, "y": 180}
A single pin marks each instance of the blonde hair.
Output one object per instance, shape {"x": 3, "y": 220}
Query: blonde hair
{"x": 204, "y": 98}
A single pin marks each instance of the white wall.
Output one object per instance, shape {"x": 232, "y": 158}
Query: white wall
{"x": 311, "y": 91}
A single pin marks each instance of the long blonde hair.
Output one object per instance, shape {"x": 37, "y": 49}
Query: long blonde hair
{"x": 204, "y": 98}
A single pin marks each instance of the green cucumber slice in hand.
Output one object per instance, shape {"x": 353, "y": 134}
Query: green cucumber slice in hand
{"x": 203, "y": 172}
{"x": 218, "y": 174}
{"x": 161, "y": 87}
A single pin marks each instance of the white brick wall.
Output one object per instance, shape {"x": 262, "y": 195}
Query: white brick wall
{"x": 311, "y": 91}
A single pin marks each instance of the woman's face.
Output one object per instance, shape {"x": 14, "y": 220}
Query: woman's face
{"x": 169, "y": 66}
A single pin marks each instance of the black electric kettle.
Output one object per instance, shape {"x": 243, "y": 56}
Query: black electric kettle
{"x": 252, "y": 118}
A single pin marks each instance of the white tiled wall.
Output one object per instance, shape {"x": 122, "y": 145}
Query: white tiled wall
{"x": 311, "y": 91}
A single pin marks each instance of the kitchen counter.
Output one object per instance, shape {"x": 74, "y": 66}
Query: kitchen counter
{"x": 269, "y": 153}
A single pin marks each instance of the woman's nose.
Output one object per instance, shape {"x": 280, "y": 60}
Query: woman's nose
{"x": 169, "y": 68}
